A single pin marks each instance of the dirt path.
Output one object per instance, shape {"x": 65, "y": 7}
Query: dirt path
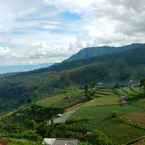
{"x": 74, "y": 107}
{"x": 68, "y": 112}
{"x": 139, "y": 141}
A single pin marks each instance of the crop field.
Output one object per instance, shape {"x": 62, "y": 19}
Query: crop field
{"x": 103, "y": 118}
{"x": 20, "y": 142}
{"x": 140, "y": 103}
{"x": 64, "y": 99}
{"x": 103, "y": 112}
{"x": 135, "y": 118}
{"x": 104, "y": 100}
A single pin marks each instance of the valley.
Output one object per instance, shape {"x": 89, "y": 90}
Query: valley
{"x": 118, "y": 123}
{"x": 98, "y": 100}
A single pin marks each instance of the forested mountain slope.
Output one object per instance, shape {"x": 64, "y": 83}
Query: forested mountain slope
{"x": 91, "y": 52}
{"x": 21, "y": 88}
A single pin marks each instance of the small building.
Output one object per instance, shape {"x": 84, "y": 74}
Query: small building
{"x": 59, "y": 115}
{"x": 123, "y": 100}
{"x": 60, "y": 141}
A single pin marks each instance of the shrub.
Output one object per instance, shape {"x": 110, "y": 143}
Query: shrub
{"x": 98, "y": 138}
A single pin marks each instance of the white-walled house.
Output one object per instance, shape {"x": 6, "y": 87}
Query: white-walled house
{"x": 59, "y": 141}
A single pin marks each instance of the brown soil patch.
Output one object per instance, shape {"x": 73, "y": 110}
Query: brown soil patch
{"x": 3, "y": 142}
{"x": 136, "y": 118}
{"x": 76, "y": 106}
{"x": 140, "y": 142}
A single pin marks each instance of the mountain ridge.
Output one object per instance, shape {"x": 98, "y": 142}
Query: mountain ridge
{"x": 17, "y": 89}
{"x": 91, "y": 52}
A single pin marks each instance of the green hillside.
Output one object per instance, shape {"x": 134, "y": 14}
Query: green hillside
{"x": 22, "y": 88}
{"x": 91, "y": 52}
{"x": 102, "y": 119}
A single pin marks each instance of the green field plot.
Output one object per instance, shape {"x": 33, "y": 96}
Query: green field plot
{"x": 106, "y": 119}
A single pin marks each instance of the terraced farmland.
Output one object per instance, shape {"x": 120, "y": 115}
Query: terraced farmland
{"x": 135, "y": 118}
{"x": 103, "y": 112}
{"x": 68, "y": 97}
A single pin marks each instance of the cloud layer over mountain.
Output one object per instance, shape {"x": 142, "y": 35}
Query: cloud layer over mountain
{"x": 46, "y": 31}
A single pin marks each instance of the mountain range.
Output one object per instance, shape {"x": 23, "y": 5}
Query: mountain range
{"x": 119, "y": 65}
{"x": 87, "y": 53}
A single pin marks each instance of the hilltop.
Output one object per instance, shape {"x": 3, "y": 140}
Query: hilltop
{"x": 90, "y": 52}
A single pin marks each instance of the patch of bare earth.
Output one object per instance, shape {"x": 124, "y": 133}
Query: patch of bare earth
{"x": 3, "y": 142}
{"x": 74, "y": 107}
{"x": 137, "y": 118}
{"x": 140, "y": 142}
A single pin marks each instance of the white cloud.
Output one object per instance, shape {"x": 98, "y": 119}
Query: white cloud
{"x": 4, "y": 51}
{"x": 46, "y": 31}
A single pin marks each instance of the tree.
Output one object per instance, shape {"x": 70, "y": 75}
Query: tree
{"x": 142, "y": 83}
{"x": 42, "y": 129}
{"x": 117, "y": 86}
{"x": 86, "y": 91}
{"x": 99, "y": 138}
{"x": 29, "y": 101}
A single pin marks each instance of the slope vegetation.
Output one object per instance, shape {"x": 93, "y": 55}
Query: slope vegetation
{"x": 101, "y": 120}
{"x": 22, "y": 88}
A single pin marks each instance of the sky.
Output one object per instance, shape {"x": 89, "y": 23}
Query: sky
{"x": 48, "y": 31}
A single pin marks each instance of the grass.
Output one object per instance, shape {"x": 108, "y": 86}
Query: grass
{"x": 140, "y": 103}
{"x": 102, "y": 113}
{"x": 14, "y": 141}
{"x": 72, "y": 96}
{"x": 99, "y": 113}
{"x": 50, "y": 101}
{"x": 93, "y": 112}
{"x": 133, "y": 93}
{"x": 100, "y": 117}
{"x": 104, "y": 100}
{"x": 22, "y": 142}
{"x": 64, "y": 99}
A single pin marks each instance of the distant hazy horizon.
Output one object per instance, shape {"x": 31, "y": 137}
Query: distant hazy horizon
{"x": 21, "y": 68}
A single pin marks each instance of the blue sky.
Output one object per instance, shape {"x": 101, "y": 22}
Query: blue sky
{"x": 47, "y": 31}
